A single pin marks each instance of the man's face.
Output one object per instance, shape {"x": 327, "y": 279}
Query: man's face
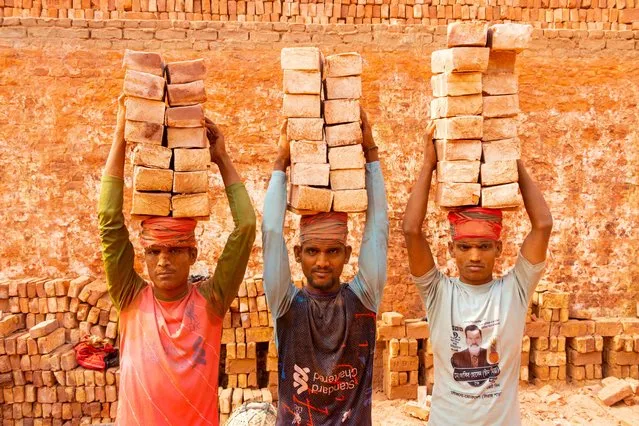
{"x": 473, "y": 340}
{"x": 322, "y": 263}
{"x": 475, "y": 259}
{"x": 169, "y": 267}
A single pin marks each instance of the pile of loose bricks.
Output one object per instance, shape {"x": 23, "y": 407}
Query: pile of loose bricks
{"x": 40, "y": 322}
{"x": 574, "y": 15}
{"x": 170, "y": 168}
{"x": 475, "y": 107}
{"x": 321, "y": 104}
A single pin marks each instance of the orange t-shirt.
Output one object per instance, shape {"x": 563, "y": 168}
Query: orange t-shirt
{"x": 169, "y": 358}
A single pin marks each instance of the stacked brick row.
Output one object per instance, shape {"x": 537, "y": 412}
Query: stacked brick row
{"x": 232, "y": 398}
{"x": 321, "y": 103}
{"x": 620, "y": 347}
{"x": 170, "y": 168}
{"x": 474, "y": 107}
{"x": 574, "y": 15}
{"x": 585, "y": 358}
{"x": 40, "y": 322}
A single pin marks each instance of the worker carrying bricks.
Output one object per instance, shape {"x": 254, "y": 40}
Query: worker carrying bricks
{"x": 326, "y": 330}
{"x": 170, "y": 328}
{"x": 476, "y": 320}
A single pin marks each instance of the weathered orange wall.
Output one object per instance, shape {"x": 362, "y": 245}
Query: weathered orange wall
{"x": 579, "y": 95}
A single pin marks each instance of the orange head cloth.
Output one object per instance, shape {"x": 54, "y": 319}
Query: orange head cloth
{"x": 168, "y": 232}
{"x": 331, "y": 226}
{"x": 475, "y": 222}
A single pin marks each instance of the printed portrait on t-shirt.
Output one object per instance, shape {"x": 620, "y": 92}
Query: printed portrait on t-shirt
{"x": 478, "y": 361}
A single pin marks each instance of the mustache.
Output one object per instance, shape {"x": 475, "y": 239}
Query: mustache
{"x": 321, "y": 269}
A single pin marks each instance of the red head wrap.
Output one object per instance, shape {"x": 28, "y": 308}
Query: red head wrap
{"x": 168, "y": 232}
{"x": 475, "y": 222}
{"x": 324, "y": 226}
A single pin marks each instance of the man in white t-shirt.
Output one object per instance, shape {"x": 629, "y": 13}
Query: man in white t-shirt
{"x": 476, "y": 321}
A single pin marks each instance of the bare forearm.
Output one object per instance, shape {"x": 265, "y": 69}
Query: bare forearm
{"x": 534, "y": 202}
{"x": 418, "y": 202}
{"x": 115, "y": 162}
{"x": 228, "y": 171}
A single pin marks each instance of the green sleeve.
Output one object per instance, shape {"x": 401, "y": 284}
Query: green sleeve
{"x": 231, "y": 266}
{"x": 117, "y": 251}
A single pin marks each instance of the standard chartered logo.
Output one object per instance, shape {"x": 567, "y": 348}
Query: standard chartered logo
{"x": 300, "y": 378}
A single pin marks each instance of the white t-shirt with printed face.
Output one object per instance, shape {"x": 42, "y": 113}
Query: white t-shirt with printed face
{"x": 476, "y": 333}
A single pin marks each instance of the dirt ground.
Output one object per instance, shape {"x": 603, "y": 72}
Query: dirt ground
{"x": 561, "y": 405}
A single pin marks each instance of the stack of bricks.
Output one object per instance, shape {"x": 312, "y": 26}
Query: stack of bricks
{"x": 40, "y": 321}
{"x": 327, "y": 171}
{"x": 232, "y": 398}
{"x": 584, "y": 358}
{"x": 474, "y": 107}
{"x": 247, "y": 337}
{"x": 524, "y": 371}
{"x": 170, "y": 171}
{"x": 621, "y": 346}
{"x": 548, "y": 346}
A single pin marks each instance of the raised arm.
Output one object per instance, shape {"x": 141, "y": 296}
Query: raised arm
{"x": 536, "y": 242}
{"x": 231, "y": 265}
{"x": 371, "y": 277}
{"x": 277, "y": 271}
{"x": 117, "y": 251}
{"x": 420, "y": 257}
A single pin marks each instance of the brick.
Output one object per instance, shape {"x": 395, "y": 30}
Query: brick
{"x": 451, "y": 106}
{"x": 301, "y": 106}
{"x": 187, "y": 137}
{"x": 186, "y": 116}
{"x": 310, "y": 174}
{"x": 308, "y": 152}
{"x": 582, "y": 344}
{"x": 501, "y": 62}
{"x": 500, "y": 106}
{"x": 498, "y": 128}
{"x": 190, "y": 205}
{"x": 350, "y": 201}
{"x": 302, "y": 82}
{"x": 152, "y": 204}
{"x": 577, "y": 358}
{"x": 615, "y": 392}
{"x": 466, "y": 127}
{"x": 143, "y": 132}
{"x": 143, "y": 61}
{"x": 501, "y": 150}
{"x": 451, "y": 150}
{"x": 608, "y": 327}
{"x": 402, "y": 363}
{"x": 76, "y": 285}
{"x": 11, "y": 323}
{"x": 417, "y": 329}
{"x": 509, "y": 36}
{"x": 343, "y": 87}
{"x": 467, "y": 34}
{"x": 185, "y": 94}
{"x": 457, "y": 194}
{"x": 144, "y": 110}
{"x": 259, "y": 334}
{"x": 311, "y": 129}
{"x": 574, "y": 328}
{"x": 387, "y": 332}
{"x": 346, "y": 157}
{"x": 190, "y": 182}
{"x": 188, "y": 160}
{"x": 456, "y": 84}
{"x": 347, "y": 179}
{"x": 499, "y": 172}
{"x": 403, "y": 347}
{"x": 501, "y": 196}
{"x": 343, "y": 134}
{"x": 154, "y": 156}
{"x": 43, "y": 328}
{"x": 147, "y": 179}
{"x": 460, "y": 59}
{"x": 458, "y": 171}
{"x": 576, "y": 372}
{"x": 185, "y": 71}
{"x": 240, "y": 366}
{"x": 630, "y": 325}
{"x": 499, "y": 84}
{"x": 300, "y": 58}
{"x": 548, "y": 358}
{"x": 341, "y": 111}
{"x": 50, "y": 342}
{"x": 343, "y": 65}
{"x": 621, "y": 358}
{"x": 144, "y": 85}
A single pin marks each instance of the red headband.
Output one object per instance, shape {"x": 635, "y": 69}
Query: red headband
{"x": 475, "y": 222}
{"x": 324, "y": 226}
{"x": 168, "y": 232}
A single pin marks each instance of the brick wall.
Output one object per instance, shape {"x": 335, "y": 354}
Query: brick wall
{"x": 59, "y": 80}
{"x": 572, "y": 14}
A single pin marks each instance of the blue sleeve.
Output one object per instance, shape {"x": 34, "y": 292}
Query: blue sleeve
{"x": 369, "y": 282}
{"x": 277, "y": 272}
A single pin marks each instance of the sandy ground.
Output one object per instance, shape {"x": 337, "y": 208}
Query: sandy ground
{"x": 549, "y": 405}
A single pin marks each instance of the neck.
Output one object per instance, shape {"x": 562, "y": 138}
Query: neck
{"x": 171, "y": 295}
{"x": 476, "y": 282}
{"x": 323, "y": 292}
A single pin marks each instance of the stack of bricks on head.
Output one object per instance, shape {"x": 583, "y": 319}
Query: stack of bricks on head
{"x": 321, "y": 103}
{"x": 475, "y": 107}
{"x": 170, "y": 175}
